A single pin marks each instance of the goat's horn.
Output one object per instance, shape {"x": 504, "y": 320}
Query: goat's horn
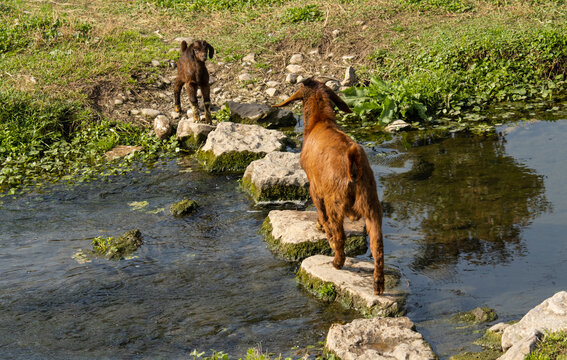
{"x": 297, "y": 96}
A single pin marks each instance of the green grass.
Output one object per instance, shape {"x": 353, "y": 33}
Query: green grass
{"x": 45, "y": 140}
{"x": 553, "y": 347}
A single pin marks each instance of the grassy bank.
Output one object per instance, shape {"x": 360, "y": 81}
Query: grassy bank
{"x": 435, "y": 63}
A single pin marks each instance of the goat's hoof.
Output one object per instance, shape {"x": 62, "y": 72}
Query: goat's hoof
{"x": 178, "y": 108}
{"x": 378, "y": 286}
{"x": 338, "y": 263}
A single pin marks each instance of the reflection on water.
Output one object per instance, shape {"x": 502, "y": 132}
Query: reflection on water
{"x": 471, "y": 201}
{"x": 477, "y": 222}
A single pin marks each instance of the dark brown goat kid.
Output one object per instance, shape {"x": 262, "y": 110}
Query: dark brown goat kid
{"x": 341, "y": 180}
{"x": 192, "y": 72}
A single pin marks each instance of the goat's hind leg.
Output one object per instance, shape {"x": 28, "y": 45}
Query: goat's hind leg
{"x": 177, "y": 94}
{"x": 374, "y": 229}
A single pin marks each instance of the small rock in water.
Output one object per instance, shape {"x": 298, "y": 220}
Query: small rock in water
{"x": 477, "y": 315}
{"x": 397, "y": 125}
{"x": 184, "y": 207}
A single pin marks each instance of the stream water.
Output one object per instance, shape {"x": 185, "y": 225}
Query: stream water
{"x": 468, "y": 221}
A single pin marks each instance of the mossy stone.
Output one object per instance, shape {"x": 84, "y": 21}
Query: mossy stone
{"x": 231, "y": 161}
{"x": 184, "y": 207}
{"x": 121, "y": 247}
{"x": 275, "y": 192}
{"x": 354, "y": 245}
{"x": 328, "y": 292}
{"x": 482, "y": 355}
{"x": 476, "y": 316}
{"x": 490, "y": 340}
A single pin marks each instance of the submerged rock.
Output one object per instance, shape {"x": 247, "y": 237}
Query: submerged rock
{"x": 260, "y": 114}
{"x": 476, "y": 316}
{"x": 118, "y": 248}
{"x": 397, "y": 125}
{"x": 352, "y": 286}
{"x": 232, "y": 147}
{"x": 276, "y": 177}
{"x": 293, "y": 235}
{"x": 378, "y": 338}
{"x": 184, "y": 207}
{"x": 121, "y": 151}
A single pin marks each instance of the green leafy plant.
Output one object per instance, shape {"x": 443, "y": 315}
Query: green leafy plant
{"x": 308, "y": 13}
{"x": 553, "y": 346}
{"x": 385, "y": 102}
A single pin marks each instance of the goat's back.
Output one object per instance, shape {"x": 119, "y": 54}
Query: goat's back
{"x": 325, "y": 159}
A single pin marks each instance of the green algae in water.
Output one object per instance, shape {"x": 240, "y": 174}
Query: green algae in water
{"x": 476, "y": 316}
{"x": 184, "y": 207}
{"x": 118, "y": 248}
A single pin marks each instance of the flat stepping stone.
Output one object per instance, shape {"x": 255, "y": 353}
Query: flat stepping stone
{"x": 232, "y": 147}
{"x": 293, "y": 235}
{"x": 192, "y": 135}
{"x": 378, "y": 339}
{"x": 276, "y": 177}
{"x": 352, "y": 286}
{"x": 260, "y": 114}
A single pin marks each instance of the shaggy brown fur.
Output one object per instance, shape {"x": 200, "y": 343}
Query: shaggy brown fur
{"x": 340, "y": 177}
{"x": 192, "y": 72}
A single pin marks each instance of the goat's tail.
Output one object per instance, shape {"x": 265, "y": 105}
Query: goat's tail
{"x": 354, "y": 168}
{"x": 183, "y": 45}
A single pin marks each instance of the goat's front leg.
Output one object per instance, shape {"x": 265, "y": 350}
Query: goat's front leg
{"x": 192, "y": 92}
{"x": 177, "y": 94}
{"x": 206, "y": 91}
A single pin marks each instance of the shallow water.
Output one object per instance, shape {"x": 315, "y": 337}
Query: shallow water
{"x": 469, "y": 222}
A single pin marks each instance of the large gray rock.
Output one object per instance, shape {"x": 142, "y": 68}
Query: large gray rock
{"x": 191, "y": 135}
{"x": 378, "y": 339}
{"x": 232, "y": 147}
{"x": 293, "y": 235}
{"x": 260, "y": 114}
{"x": 519, "y": 350}
{"x": 550, "y": 315}
{"x": 352, "y": 286}
{"x": 276, "y": 177}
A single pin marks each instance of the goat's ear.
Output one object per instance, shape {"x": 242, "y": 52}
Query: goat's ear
{"x": 183, "y": 45}
{"x": 210, "y": 49}
{"x": 297, "y": 96}
{"x": 338, "y": 101}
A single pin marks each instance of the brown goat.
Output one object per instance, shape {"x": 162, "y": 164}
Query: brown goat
{"x": 341, "y": 181}
{"x": 192, "y": 72}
